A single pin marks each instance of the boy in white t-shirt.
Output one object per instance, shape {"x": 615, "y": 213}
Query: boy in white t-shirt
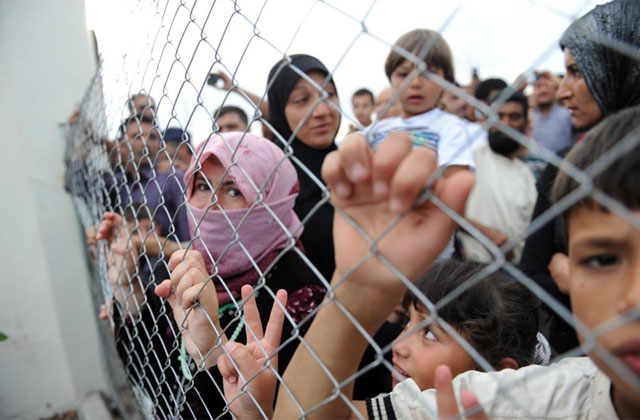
{"x": 419, "y": 96}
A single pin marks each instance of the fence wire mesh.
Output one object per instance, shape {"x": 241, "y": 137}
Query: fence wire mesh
{"x": 185, "y": 204}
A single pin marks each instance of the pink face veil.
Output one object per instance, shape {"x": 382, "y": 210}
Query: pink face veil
{"x": 239, "y": 240}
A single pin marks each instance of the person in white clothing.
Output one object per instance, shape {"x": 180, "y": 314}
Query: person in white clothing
{"x": 502, "y": 200}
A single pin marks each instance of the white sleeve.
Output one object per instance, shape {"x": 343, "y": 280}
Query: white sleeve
{"x": 562, "y": 390}
{"x": 454, "y": 146}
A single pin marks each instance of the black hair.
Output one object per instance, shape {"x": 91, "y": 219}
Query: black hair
{"x": 484, "y": 88}
{"x": 498, "y": 316}
{"x": 515, "y": 96}
{"x": 362, "y": 92}
{"x": 230, "y": 109}
{"x": 620, "y": 179}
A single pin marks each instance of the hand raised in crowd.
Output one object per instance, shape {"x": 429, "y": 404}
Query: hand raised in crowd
{"x": 194, "y": 302}
{"x": 373, "y": 190}
{"x": 245, "y": 377}
{"x": 226, "y": 81}
{"x": 446, "y": 398}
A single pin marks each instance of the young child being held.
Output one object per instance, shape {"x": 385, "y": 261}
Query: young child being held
{"x": 419, "y": 97}
{"x": 491, "y": 317}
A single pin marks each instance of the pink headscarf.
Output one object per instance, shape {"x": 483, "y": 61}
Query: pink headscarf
{"x": 255, "y": 164}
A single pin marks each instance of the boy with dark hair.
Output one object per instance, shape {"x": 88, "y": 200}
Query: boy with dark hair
{"x": 362, "y": 102}
{"x": 419, "y": 98}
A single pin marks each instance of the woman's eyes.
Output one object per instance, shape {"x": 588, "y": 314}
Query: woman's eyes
{"x": 234, "y": 192}
{"x": 301, "y": 100}
{"x": 231, "y": 191}
{"x": 203, "y": 186}
{"x": 600, "y": 261}
{"x": 574, "y": 71}
{"x": 305, "y": 98}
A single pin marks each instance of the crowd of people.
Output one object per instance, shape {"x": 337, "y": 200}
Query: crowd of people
{"x": 302, "y": 274}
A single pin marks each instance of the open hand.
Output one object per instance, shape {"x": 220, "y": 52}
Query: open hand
{"x": 371, "y": 190}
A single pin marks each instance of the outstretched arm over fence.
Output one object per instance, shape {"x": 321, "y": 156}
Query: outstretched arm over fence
{"x": 371, "y": 191}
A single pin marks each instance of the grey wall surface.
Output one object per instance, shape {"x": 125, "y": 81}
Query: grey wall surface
{"x": 51, "y": 359}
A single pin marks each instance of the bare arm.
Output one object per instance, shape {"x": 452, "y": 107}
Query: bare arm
{"x": 372, "y": 190}
{"x": 255, "y": 99}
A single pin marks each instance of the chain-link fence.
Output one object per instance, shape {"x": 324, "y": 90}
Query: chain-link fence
{"x": 186, "y": 203}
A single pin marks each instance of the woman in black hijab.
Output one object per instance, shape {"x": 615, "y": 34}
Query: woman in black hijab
{"x": 602, "y": 63}
{"x": 307, "y": 119}
{"x": 303, "y": 113}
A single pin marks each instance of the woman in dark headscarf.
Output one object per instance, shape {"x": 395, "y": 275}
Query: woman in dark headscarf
{"x": 307, "y": 118}
{"x": 604, "y": 47}
{"x": 602, "y": 58}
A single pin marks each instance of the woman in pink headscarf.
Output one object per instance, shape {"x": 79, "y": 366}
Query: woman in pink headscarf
{"x": 240, "y": 192}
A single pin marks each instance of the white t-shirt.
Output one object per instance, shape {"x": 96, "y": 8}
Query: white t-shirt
{"x": 571, "y": 389}
{"x": 450, "y": 136}
{"x": 502, "y": 198}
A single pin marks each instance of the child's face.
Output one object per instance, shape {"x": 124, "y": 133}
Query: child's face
{"x": 362, "y": 108}
{"x": 416, "y": 356}
{"x": 420, "y": 95}
{"x": 604, "y": 283}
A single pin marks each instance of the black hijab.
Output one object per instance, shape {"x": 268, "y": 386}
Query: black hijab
{"x": 613, "y": 77}
{"x": 317, "y": 237}
{"x": 282, "y": 79}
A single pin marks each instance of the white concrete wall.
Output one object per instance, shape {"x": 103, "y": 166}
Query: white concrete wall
{"x": 51, "y": 359}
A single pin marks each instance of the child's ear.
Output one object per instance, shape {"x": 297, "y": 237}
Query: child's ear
{"x": 507, "y": 363}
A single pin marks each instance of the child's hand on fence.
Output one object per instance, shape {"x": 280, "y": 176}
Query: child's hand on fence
{"x": 250, "y": 359}
{"x": 446, "y": 398}
{"x": 373, "y": 189}
{"x": 194, "y": 302}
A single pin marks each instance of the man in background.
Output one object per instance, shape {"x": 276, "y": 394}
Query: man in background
{"x": 551, "y": 121}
